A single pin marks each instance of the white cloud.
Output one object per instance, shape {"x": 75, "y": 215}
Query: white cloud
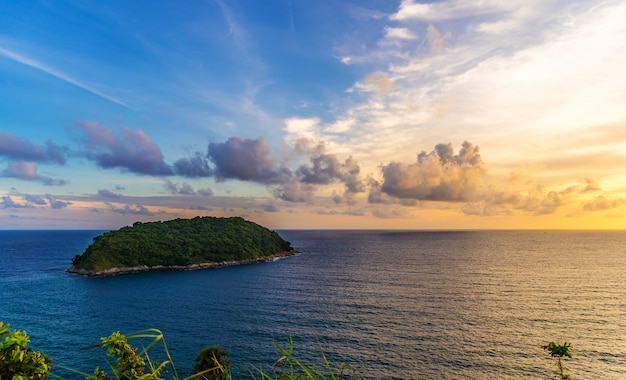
{"x": 513, "y": 78}
{"x": 411, "y": 10}
{"x": 399, "y": 33}
{"x": 302, "y": 127}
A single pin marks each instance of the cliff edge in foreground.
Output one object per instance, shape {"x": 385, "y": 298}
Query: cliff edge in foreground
{"x": 201, "y": 242}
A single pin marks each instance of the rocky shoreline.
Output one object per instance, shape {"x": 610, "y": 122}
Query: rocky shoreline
{"x": 144, "y": 268}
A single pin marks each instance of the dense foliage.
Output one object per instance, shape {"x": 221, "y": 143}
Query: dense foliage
{"x": 17, "y": 360}
{"x": 181, "y": 242}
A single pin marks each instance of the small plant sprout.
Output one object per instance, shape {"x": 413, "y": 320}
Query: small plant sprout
{"x": 560, "y": 351}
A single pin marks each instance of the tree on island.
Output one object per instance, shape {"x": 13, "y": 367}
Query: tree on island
{"x": 180, "y": 242}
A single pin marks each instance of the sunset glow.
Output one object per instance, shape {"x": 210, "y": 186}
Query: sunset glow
{"x": 351, "y": 114}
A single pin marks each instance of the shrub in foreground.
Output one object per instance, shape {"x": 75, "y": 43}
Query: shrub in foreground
{"x": 19, "y": 362}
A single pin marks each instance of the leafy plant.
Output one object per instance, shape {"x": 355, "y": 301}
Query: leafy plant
{"x": 559, "y": 352}
{"x": 211, "y": 363}
{"x": 17, "y": 360}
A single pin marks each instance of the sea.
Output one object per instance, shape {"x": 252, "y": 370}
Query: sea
{"x": 388, "y": 304}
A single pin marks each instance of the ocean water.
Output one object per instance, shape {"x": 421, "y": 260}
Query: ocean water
{"x": 411, "y": 305}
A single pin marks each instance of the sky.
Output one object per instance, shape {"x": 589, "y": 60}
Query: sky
{"x": 349, "y": 114}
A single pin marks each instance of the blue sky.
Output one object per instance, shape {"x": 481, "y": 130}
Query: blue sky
{"x": 314, "y": 114}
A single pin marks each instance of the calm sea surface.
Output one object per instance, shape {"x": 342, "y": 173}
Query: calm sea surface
{"x": 414, "y": 305}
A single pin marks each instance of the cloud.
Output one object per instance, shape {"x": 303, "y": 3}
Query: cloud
{"x": 246, "y": 160}
{"x": 271, "y": 207}
{"x": 132, "y": 151}
{"x": 21, "y": 170}
{"x": 513, "y": 91}
{"x": 174, "y": 188}
{"x": 601, "y": 203}
{"x": 130, "y": 210}
{"x": 591, "y": 185}
{"x": 536, "y": 200}
{"x": 32, "y": 201}
{"x": 377, "y": 196}
{"x": 445, "y": 10}
{"x": 377, "y": 82}
{"x": 186, "y": 189}
{"x": 35, "y": 199}
{"x": 436, "y": 176}
{"x": 326, "y": 169}
{"x": 295, "y": 191}
{"x": 27, "y": 171}
{"x": 436, "y": 39}
{"x": 205, "y": 192}
{"x": 540, "y": 203}
{"x": 104, "y": 193}
{"x": 16, "y": 149}
{"x": 55, "y": 203}
{"x": 195, "y": 166}
{"x": 399, "y": 33}
{"x": 7, "y": 202}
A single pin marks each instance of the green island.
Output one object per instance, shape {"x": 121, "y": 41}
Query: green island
{"x": 180, "y": 244}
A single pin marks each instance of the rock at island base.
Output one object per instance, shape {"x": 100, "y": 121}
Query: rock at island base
{"x": 145, "y": 268}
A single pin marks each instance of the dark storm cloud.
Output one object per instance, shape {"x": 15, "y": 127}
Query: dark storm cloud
{"x": 436, "y": 176}
{"x": 246, "y": 160}
{"x": 16, "y": 149}
{"x": 132, "y": 151}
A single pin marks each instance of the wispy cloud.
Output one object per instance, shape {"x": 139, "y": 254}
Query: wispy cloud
{"x": 558, "y": 72}
{"x": 57, "y": 74}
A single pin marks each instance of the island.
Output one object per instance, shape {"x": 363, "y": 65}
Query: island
{"x": 180, "y": 244}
